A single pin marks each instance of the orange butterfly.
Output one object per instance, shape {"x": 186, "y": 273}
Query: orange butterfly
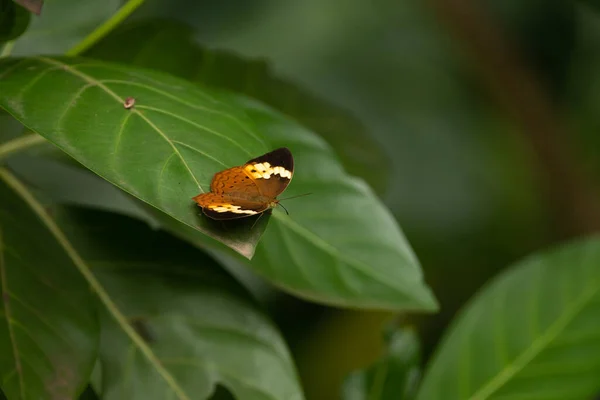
{"x": 249, "y": 189}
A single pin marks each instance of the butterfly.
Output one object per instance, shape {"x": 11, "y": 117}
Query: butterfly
{"x": 249, "y": 189}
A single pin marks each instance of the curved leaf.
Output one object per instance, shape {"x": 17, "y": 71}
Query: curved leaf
{"x": 340, "y": 245}
{"x": 164, "y": 150}
{"x": 196, "y": 320}
{"x": 149, "y": 43}
{"x": 394, "y": 376}
{"x": 531, "y": 333}
{"x": 13, "y": 20}
{"x": 48, "y": 326}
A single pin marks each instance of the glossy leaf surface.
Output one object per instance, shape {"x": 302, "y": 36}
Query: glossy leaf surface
{"x": 164, "y": 150}
{"x": 148, "y": 43}
{"x": 531, "y": 333}
{"x": 199, "y": 326}
{"x": 48, "y": 324}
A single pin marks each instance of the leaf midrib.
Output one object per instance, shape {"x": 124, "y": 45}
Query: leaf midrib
{"x": 94, "y": 82}
{"x": 325, "y": 246}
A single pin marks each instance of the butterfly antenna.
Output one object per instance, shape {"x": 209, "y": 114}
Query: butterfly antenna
{"x": 293, "y": 197}
{"x": 257, "y": 219}
{"x": 286, "y": 211}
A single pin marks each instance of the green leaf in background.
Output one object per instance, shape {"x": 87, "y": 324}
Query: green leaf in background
{"x": 14, "y": 20}
{"x": 394, "y": 376}
{"x": 48, "y": 323}
{"x": 199, "y": 324}
{"x": 149, "y": 43}
{"x": 531, "y": 333}
{"x": 164, "y": 150}
{"x": 63, "y": 24}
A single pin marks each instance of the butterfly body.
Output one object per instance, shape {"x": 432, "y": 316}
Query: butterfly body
{"x": 249, "y": 189}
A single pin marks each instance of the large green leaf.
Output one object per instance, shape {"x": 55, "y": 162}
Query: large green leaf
{"x": 394, "y": 376}
{"x": 199, "y": 325}
{"x": 532, "y": 333}
{"x": 149, "y": 43}
{"x": 62, "y": 24}
{"x": 340, "y": 245}
{"x": 164, "y": 150}
{"x": 48, "y": 325}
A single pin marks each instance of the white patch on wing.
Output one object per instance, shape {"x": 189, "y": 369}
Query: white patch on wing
{"x": 264, "y": 171}
{"x": 221, "y": 208}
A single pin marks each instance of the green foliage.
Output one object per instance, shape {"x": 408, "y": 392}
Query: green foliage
{"x": 14, "y": 20}
{"x": 531, "y": 333}
{"x": 49, "y": 331}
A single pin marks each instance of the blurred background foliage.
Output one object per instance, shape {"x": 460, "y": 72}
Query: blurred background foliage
{"x": 467, "y": 181}
{"x": 487, "y": 113}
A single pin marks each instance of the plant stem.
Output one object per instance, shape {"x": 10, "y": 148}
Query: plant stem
{"x": 509, "y": 79}
{"x": 105, "y": 28}
{"x": 7, "y": 49}
{"x": 19, "y": 144}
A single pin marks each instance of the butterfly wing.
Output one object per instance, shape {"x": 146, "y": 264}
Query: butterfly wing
{"x": 272, "y": 172}
{"x": 248, "y": 190}
{"x": 221, "y": 207}
{"x": 234, "y": 180}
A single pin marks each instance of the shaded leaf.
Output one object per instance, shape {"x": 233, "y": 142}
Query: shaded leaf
{"x": 531, "y": 333}
{"x": 13, "y": 20}
{"x": 199, "y": 324}
{"x": 149, "y": 43}
{"x": 164, "y": 150}
{"x": 63, "y": 24}
{"x": 394, "y": 376}
{"x": 48, "y": 325}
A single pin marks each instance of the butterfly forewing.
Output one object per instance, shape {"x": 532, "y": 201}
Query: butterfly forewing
{"x": 233, "y": 180}
{"x": 272, "y": 171}
{"x": 249, "y": 189}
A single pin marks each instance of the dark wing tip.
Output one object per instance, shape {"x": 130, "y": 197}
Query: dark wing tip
{"x": 281, "y": 157}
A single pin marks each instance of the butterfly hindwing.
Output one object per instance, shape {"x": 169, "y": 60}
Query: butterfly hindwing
{"x": 221, "y": 207}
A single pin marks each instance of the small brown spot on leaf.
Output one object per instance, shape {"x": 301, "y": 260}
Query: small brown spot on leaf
{"x": 129, "y": 102}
